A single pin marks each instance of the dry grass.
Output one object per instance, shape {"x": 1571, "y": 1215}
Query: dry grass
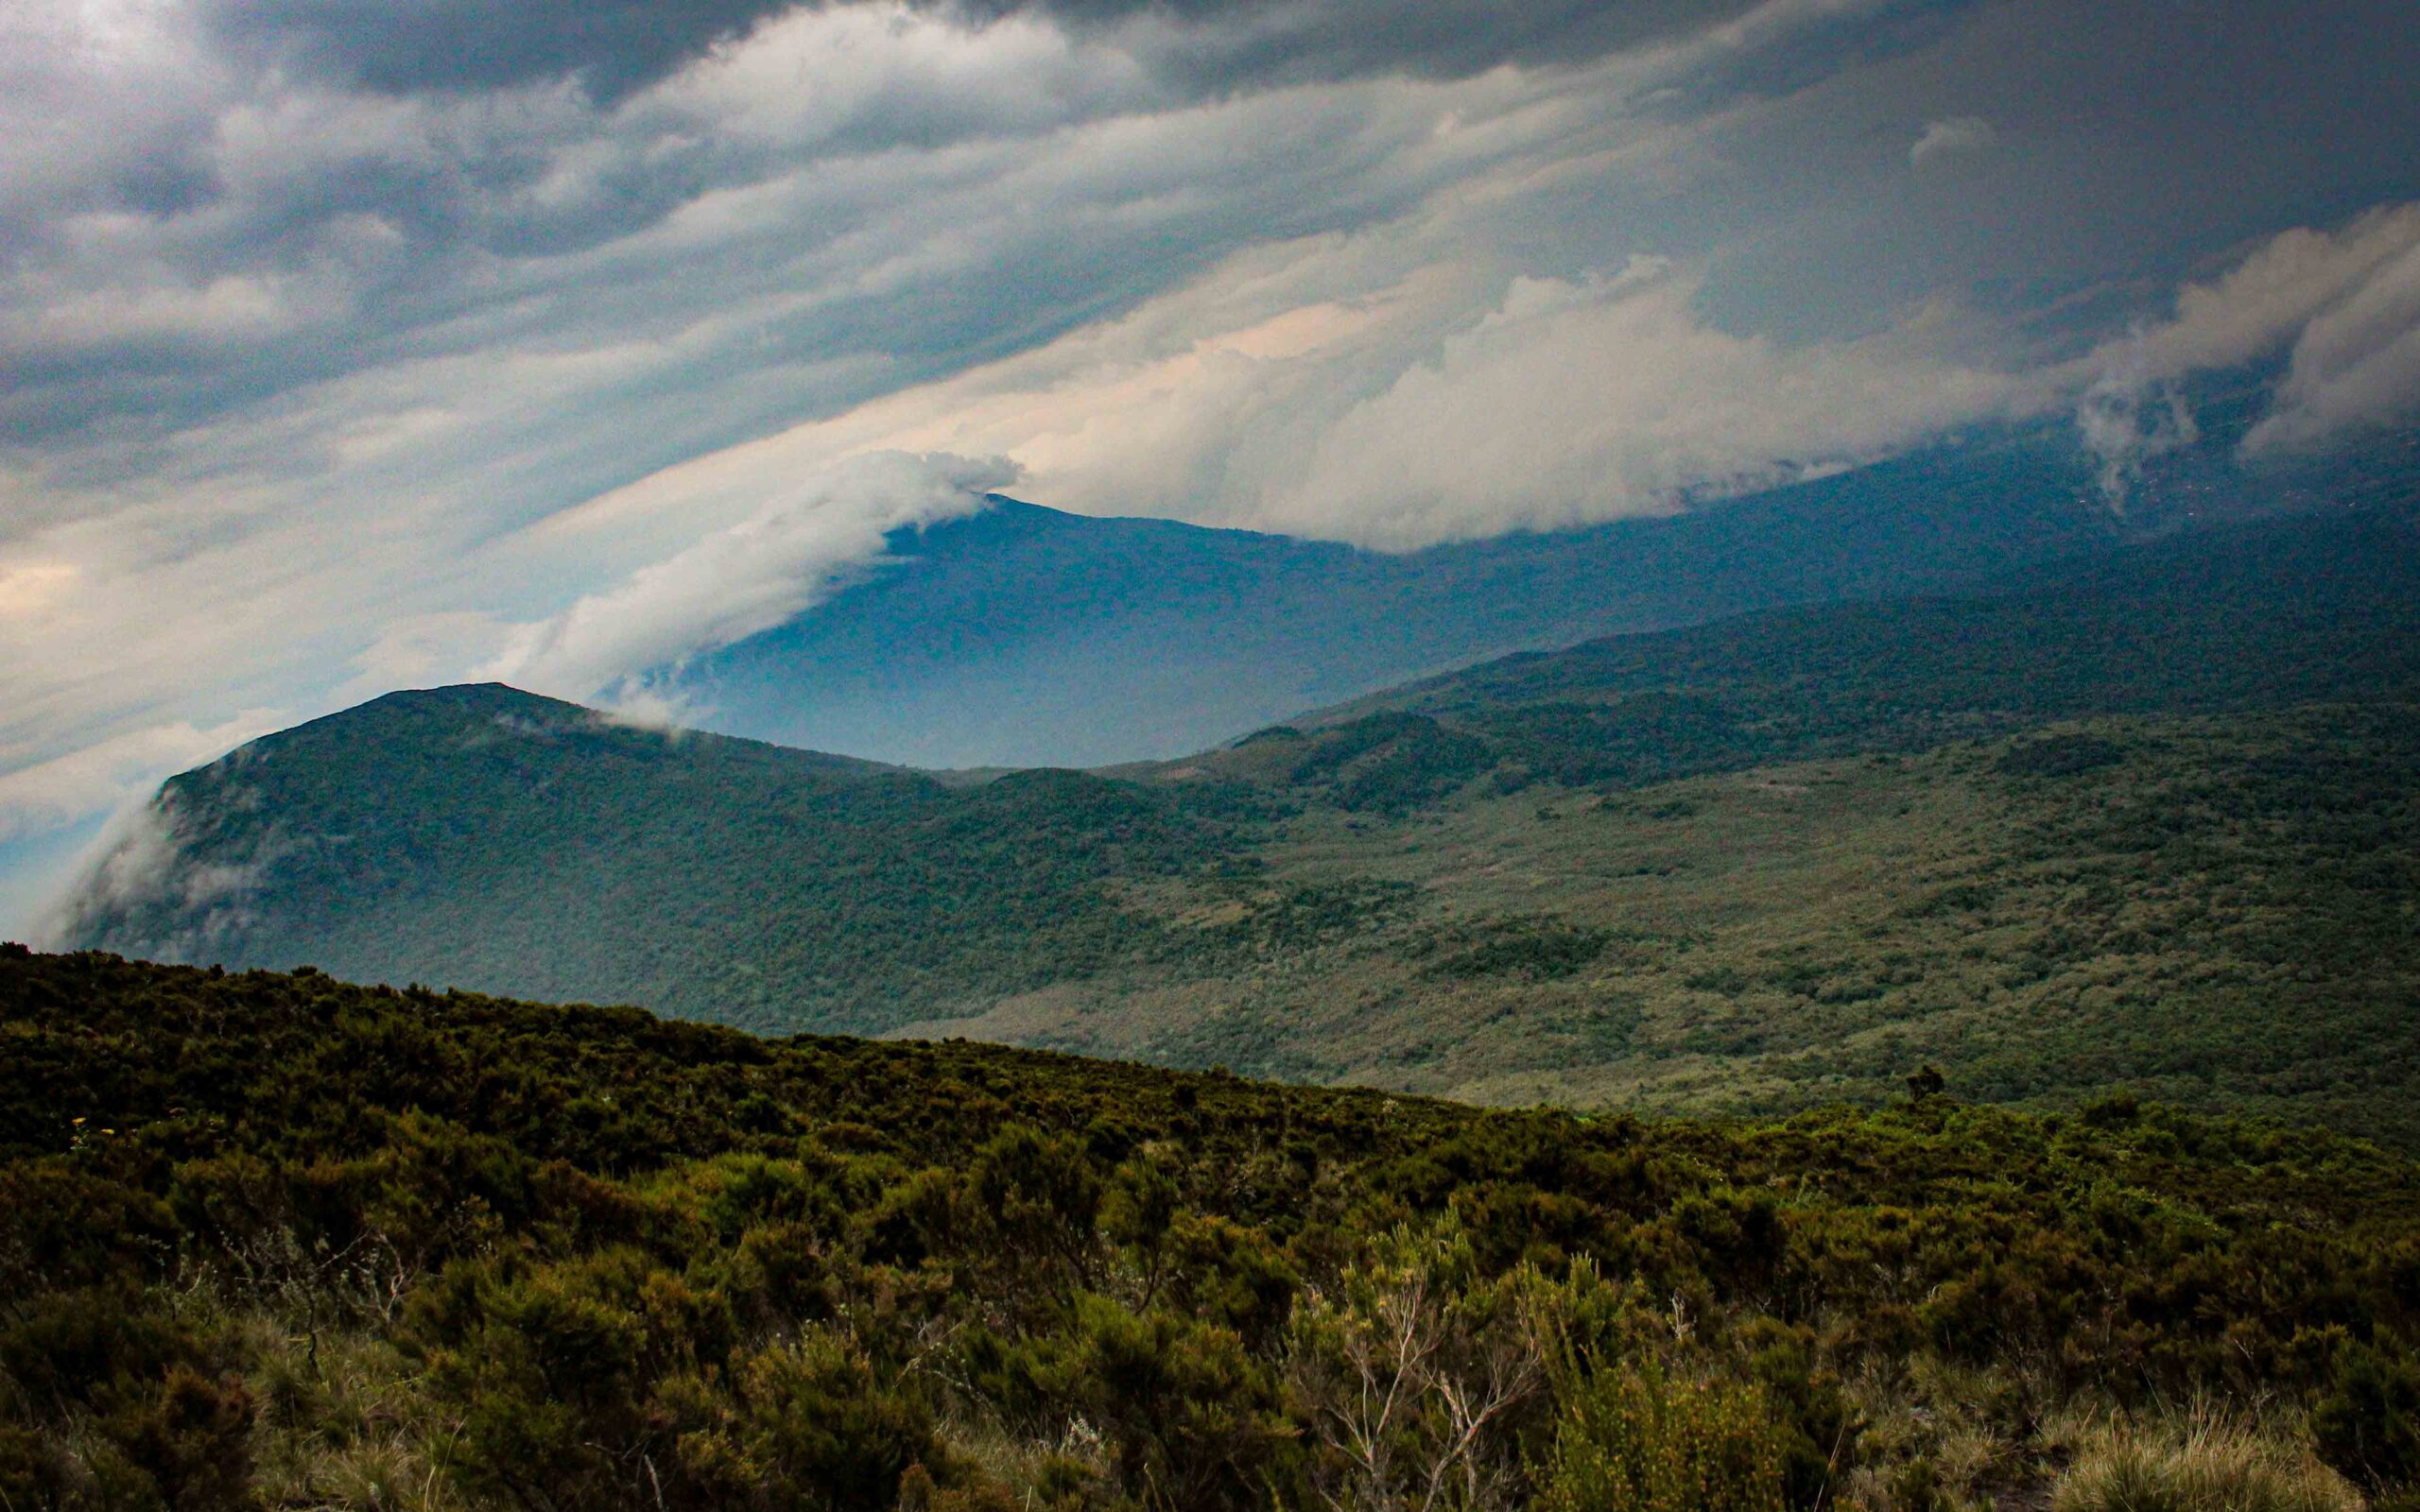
{"x": 2206, "y": 1462}
{"x": 1940, "y": 1436}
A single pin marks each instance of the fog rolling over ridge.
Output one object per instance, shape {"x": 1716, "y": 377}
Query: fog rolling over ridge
{"x": 1023, "y": 636}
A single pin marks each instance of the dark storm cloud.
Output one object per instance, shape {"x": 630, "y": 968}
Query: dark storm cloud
{"x": 404, "y": 45}
{"x": 1227, "y": 44}
{"x": 1211, "y": 45}
{"x": 2116, "y": 150}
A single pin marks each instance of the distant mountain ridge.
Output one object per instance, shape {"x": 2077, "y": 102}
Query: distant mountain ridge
{"x": 1024, "y": 636}
{"x": 1021, "y": 636}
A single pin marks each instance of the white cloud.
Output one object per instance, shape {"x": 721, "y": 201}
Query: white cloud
{"x": 31, "y": 587}
{"x": 2344, "y": 304}
{"x": 2272, "y": 294}
{"x": 2129, "y": 418}
{"x": 808, "y": 540}
{"x": 1341, "y": 388}
{"x": 141, "y": 858}
{"x": 109, "y": 772}
{"x": 1960, "y": 136}
{"x": 1578, "y": 402}
{"x": 2357, "y": 364}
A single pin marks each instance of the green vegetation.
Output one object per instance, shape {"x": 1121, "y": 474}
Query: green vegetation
{"x": 2267, "y": 616}
{"x": 2222, "y": 913}
{"x": 2145, "y": 823}
{"x": 275, "y": 1240}
{"x": 479, "y": 835}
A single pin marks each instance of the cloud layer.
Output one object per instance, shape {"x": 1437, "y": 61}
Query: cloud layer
{"x": 2343, "y": 306}
{"x": 811, "y": 538}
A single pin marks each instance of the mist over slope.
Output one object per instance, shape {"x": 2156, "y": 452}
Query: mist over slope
{"x": 2134, "y": 782}
{"x": 1024, "y": 636}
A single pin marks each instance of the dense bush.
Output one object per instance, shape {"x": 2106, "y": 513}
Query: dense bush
{"x": 276, "y": 1241}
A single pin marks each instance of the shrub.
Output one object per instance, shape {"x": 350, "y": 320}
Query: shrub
{"x": 1632, "y": 1440}
{"x": 2367, "y": 1423}
{"x": 812, "y": 1428}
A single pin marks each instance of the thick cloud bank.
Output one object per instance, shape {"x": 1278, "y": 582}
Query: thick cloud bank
{"x": 1571, "y": 403}
{"x": 2343, "y": 305}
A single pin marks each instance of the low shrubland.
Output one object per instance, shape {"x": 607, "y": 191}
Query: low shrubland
{"x": 273, "y": 1241}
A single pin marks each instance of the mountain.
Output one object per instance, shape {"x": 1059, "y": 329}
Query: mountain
{"x": 481, "y": 834}
{"x": 274, "y": 1240}
{"x": 1024, "y": 636}
{"x": 2146, "y": 819}
{"x": 1021, "y": 636}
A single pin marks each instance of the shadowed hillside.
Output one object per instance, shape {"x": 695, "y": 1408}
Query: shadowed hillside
{"x": 480, "y": 834}
{"x": 1023, "y": 636}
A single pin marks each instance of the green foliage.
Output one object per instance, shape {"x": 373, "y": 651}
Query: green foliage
{"x": 2367, "y": 1421}
{"x": 1390, "y": 763}
{"x": 276, "y": 1240}
{"x": 2054, "y": 756}
{"x": 704, "y": 876}
{"x": 1631, "y": 1439}
{"x": 1533, "y": 948}
{"x": 1421, "y": 1370}
{"x": 2220, "y": 918}
{"x": 806, "y": 1424}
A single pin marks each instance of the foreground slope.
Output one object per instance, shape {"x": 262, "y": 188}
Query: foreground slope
{"x": 2146, "y": 819}
{"x": 271, "y": 1240}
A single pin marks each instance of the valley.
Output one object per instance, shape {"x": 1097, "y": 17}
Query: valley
{"x": 2158, "y": 904}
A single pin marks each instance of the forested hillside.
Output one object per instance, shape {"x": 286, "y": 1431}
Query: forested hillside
{"x": 2114, "y": 827}
{"x": 483, "y": 835}
{"x": 2260, "y": 616}
{"x": 278, "y": 1241}
{"x": 2218, "y": 911}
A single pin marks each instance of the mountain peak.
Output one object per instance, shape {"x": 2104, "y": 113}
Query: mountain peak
{"x": 452, "y": 706}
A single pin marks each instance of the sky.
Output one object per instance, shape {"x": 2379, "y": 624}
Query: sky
{"x": 349, "y": 345}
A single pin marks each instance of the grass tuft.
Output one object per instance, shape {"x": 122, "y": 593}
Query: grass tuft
{"x": 2206, "y": 1464}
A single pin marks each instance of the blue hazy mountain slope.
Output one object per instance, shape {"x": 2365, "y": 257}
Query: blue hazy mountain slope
{"x": 1023, "y": 636}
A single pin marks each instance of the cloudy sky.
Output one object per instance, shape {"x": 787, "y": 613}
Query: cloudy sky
{"x": 348, "y": 345}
